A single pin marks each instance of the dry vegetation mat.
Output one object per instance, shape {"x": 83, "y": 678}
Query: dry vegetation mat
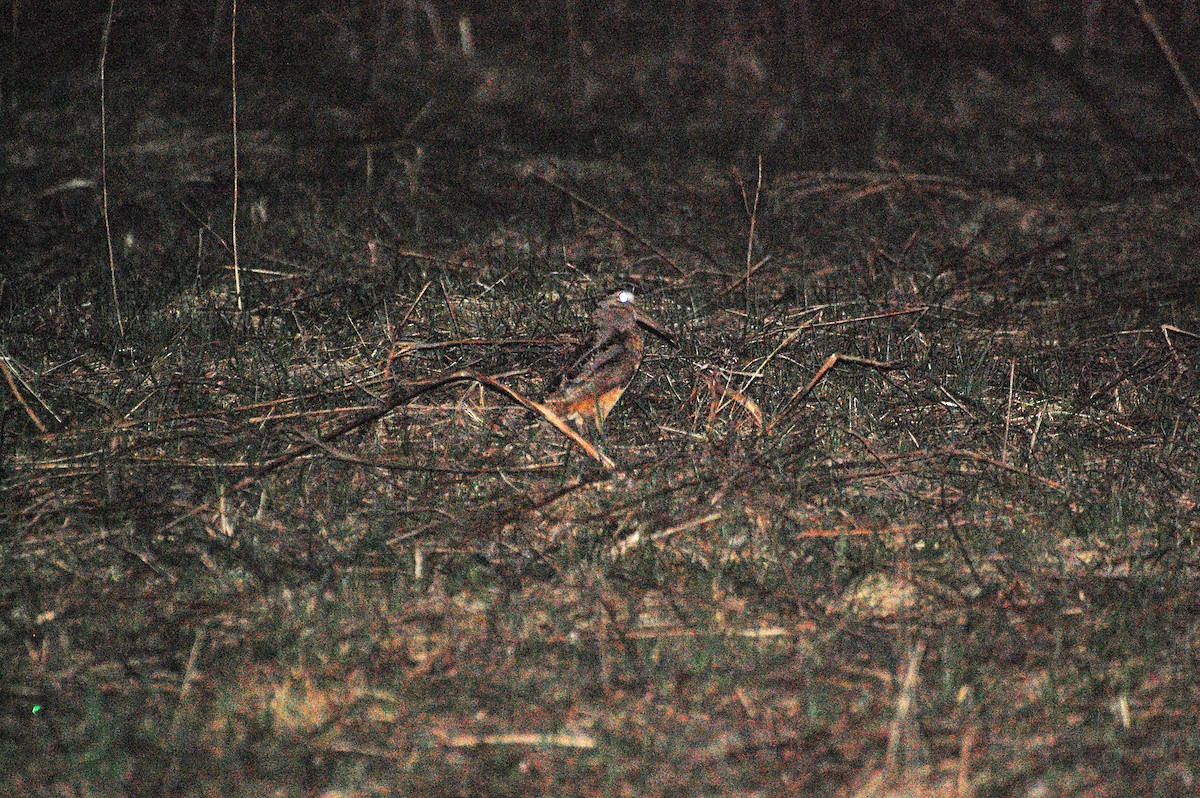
{"x": 912, "y": 508}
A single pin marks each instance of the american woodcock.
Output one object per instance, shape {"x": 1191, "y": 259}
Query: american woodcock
{"x": 606, "y": 364}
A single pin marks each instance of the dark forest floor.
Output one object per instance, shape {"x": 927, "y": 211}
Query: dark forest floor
{"x": 963, "y": 563}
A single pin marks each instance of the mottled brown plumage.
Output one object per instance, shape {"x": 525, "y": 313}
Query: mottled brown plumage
{"x": 606, "y": 364}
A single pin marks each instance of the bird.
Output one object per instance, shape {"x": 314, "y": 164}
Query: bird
{"x": 605, "y": 365}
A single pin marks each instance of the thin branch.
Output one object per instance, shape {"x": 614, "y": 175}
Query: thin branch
{"x": 112, "y": 261}
{"x": 237, "y": 271}
{"x": 641, "y": 239}
{"x": 1168, "y": 52}
{"x": 837, "y": 357}
{"x": 752, "y": 210}
{"x": 402, "y": 398}
{"x": 11, "y": 379}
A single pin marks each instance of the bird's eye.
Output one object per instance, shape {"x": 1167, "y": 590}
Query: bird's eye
{"x": 625, "y": 297}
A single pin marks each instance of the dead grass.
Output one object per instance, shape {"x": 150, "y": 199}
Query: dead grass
{"x": 262, "y": 552}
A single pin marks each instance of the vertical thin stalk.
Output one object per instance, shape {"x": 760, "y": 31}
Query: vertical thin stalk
{"x": 237, "y": 268}
{"x": 112, "y": 261}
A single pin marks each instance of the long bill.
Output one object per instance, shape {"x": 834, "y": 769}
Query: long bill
{"x": 652, "y": 325}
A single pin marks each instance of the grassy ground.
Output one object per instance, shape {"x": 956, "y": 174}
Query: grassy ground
{"x": 962, "y": 562}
